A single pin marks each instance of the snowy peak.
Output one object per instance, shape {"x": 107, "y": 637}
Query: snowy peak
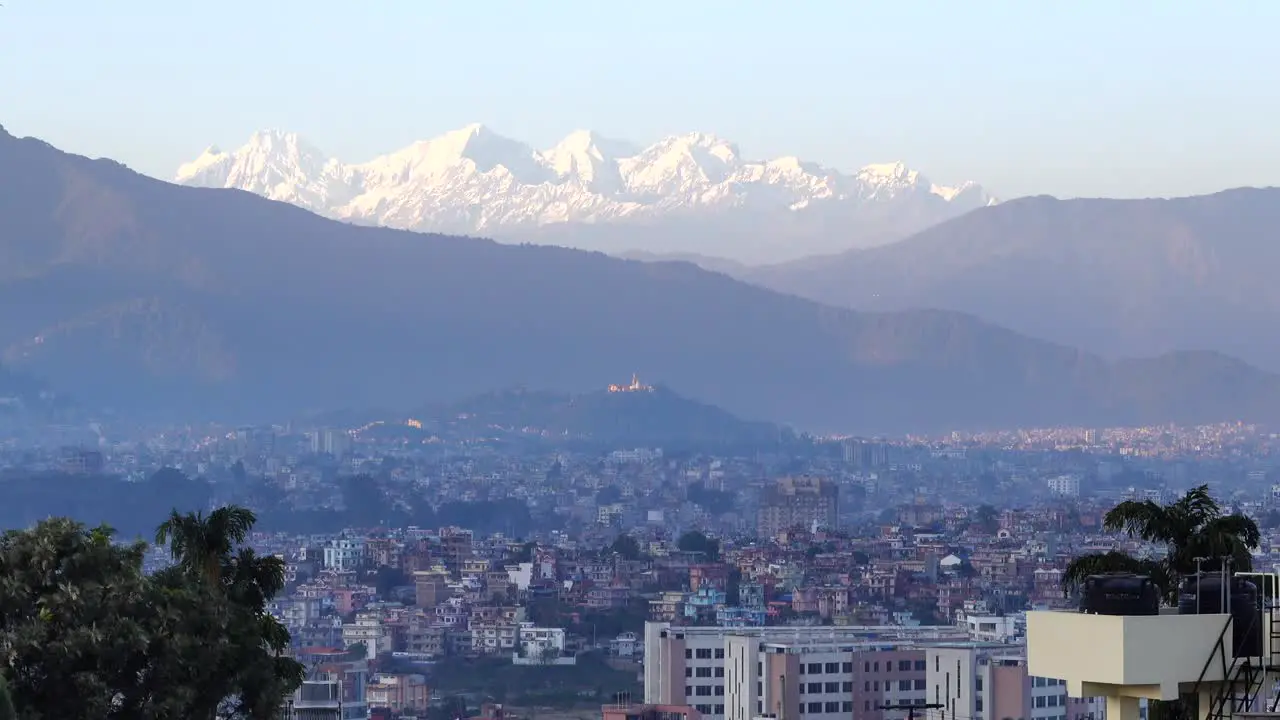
{"x": 475, "y": 180}
{"x": 590, "y": 161}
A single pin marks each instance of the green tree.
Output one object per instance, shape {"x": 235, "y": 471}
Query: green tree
{"x": 202, "y": 544}
{"x": 694, "y": 541}
{"x": 1190, "y": 527}
{"x": 210, "y": 555}
{"x": 626, "y": 547}
{"x": 523, "y": 555}
{"x": 88, "y": 635}
{"x": 387, "y": 578}
{"x": 987, "y": 519}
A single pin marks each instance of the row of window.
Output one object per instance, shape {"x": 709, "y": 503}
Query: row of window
{"x": 845, "y": 706}
{"x": 703, "y": 690}
{"x": 815, "y": 688}
{"x": 903, "y": 685}
{"x": 830, "y": 668}
{"x": 846, "y": 686}
{"x": 867, "y": 667}
{"x": 1050, "y": 700}
{"x": 827, "y": 707}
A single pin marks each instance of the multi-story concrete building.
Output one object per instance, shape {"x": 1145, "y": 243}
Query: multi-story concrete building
{"x": 815, "y": 673}
{"x": 990, "y": 681}
{"x": 344, "y": 554}
{"x": 333, "y": 691}
{"x": 798, "y": 502}
{"x": 540, "y": 646}
{"x": 1064, "y": 485}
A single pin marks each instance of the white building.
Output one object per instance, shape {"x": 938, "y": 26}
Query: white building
{"x": 991, "y": 628}
{"x": 343, "y": 554}
{"x": 1064, "y": 485}
{"x": 626, "y": 645}
{"x": 817, "y": 673}
{"x": 540, "y": 646}
{"x": 367, "y": 630}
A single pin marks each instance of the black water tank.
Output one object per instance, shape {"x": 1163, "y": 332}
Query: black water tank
{"x": 1202, "y": 594}
{"x": 1119, "y": 594}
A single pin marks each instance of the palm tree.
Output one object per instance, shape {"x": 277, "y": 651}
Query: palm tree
{"x": 1191, "y": 527}
{"x": 210, "y": 551}
{"x": 204, "y": 545}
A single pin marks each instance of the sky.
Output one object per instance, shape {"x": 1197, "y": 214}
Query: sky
{"x": 1083, "y": 98}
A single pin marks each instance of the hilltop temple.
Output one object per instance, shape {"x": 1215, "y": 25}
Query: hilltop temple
{"x": 635, "y": 386}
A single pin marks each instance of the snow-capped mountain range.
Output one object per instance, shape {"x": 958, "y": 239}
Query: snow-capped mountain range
{"x": 689, "y": 193}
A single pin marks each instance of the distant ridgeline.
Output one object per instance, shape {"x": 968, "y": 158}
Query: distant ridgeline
{"x": 634, "y": 415}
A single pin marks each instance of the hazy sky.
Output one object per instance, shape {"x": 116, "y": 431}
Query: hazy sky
{"x": 1090, "y": 97}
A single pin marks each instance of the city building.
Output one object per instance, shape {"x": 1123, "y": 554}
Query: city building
{"x": 1127, "y": 660}
{"x": 820, "y": 671}
{"x": 344, "y": 554}
{"x": 540, "y": 646}
{"x": 990, "y": 681}
{"x": 1064, "y": 485}
{"x": 335, "y": 690}
{"x": 803, "y": 502}
{"x": 629, "y": 711}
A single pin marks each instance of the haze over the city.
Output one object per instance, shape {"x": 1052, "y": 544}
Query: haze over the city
{"x": 1091, "y": 99}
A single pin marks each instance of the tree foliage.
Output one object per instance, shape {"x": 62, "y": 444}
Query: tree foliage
{"x": 87, "y": 634}
{"x": 1190, "y": 527}
{"x": 694, "y": 541}
{"x": 6, "y": 703}
{"x": 626, "y": 547}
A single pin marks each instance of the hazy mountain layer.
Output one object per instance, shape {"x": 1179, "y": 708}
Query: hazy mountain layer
{"x": 195, "y": 303}
{"x": 1117, "y": 277}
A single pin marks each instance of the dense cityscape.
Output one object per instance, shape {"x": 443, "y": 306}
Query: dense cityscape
{"x": 440, "y": 568}
{"x": 709, "y": 360}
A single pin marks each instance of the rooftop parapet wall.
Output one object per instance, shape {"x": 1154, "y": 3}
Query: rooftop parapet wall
{"x": 1148, "y": 656}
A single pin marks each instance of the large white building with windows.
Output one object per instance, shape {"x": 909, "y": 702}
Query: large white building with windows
{"x": 834, "y": 673}
{"x": 809, "y": 673}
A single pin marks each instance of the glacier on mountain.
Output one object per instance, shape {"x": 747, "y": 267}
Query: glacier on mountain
{"x": 691, "y": 193}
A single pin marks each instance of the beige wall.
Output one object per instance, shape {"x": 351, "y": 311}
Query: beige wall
{"x": 782, "y": 677}
{"x": 1010, "y": 693}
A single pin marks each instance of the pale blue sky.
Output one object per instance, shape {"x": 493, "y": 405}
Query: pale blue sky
{"x": 1092, "y": 97}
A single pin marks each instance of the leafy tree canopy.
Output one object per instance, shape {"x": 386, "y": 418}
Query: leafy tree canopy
{"x": 1190, "y": 527}
{"x": 694, "y": 541}
{"x": 626, "y": 547}
{"x": 89, "y": 635}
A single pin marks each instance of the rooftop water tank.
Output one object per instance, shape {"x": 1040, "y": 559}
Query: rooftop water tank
{"x": 1119, "y": 594}
{"x": 1203, "y": 595}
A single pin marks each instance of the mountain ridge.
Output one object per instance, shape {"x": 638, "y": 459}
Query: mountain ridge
{"x": 475, "y": 181}
{"x": 1117, "y": 277}
{"x": 179, "y": 302}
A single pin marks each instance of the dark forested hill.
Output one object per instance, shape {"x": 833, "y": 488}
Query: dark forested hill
{"x": 658, "y": 417}
{"x": 176, "y": 302}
